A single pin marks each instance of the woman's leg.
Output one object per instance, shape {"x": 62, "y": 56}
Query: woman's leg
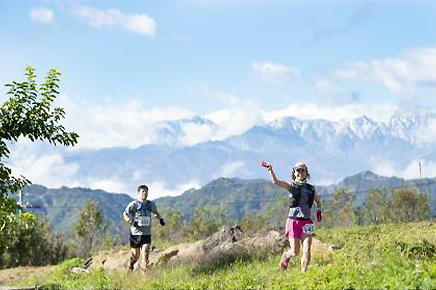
{"x": 293, "y": 252}
{"x": 295, "y": 247}
{"x": 306, "y": 240}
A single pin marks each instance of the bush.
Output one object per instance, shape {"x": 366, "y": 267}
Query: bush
{"x": 32, "y": 243}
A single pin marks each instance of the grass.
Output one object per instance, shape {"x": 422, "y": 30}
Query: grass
{"x": 372, "y": 257}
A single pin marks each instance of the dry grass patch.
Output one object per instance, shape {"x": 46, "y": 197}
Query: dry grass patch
{"x": 16, "y": 276}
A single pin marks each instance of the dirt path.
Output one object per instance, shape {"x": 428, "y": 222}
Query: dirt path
{"x": 221, "y": 243}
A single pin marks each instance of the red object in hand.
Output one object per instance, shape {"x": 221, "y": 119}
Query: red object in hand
{"x": 265, "y": 164}
{"x": 318, "y": 216}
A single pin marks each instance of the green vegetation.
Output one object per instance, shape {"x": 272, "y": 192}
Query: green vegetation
{"x": 388, "y": 256}
{"x": 28, "y": 113}
{"x": 254, "y": 204}
{"x": 88, "y": 228}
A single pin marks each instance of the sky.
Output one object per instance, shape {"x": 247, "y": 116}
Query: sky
{"x": 127, "y": 65}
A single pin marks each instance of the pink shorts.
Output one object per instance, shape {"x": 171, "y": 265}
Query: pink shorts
{"x": 294, "y": 228}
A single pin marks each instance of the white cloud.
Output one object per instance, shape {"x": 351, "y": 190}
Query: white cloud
{"x": 410, "y": 171}
{"x": 274, "y": 73}
{"x": 329, "y": 92}
{"x": 159, "y": 189}
{"x": 236, "y": 120}
{"x": 239, "y": 116}
{"x": 426, "y": 134}
{"x": 196, "y": 133}
{"x": 108, "y": 185}
{"x": 133, "y": 124}
{"x": 401, "y": 75}
{"x": 43, "y": 164}
{"x": 42, "y": 15}
{"x": 137, "y": 23}
{"x": 129, "y": 124}
{"x": 156, "y": 189}
{"x": 333, "y": 113}
{"x": 231, "y": 169}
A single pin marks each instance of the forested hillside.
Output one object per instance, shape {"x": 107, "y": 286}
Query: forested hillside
{"x": 235, "y": 198}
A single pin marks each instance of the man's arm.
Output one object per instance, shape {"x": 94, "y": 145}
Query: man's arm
{"x": 127, "y": 214}
{"x": 126, "y": 218}
{"x": 157, "y": 215}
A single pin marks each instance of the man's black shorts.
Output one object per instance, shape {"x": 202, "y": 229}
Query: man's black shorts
{"x": 138, "y": 241}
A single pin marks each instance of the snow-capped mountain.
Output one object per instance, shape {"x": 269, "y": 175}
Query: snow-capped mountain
{"x": 332, "y": 150}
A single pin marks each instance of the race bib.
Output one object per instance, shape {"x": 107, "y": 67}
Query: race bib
{"x": 308, "y": 229}
{"x": 143, "y": 221}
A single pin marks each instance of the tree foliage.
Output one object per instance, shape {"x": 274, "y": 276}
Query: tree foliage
{"x": 400, "y": 205}
{"x": 89, "y": 228}
{"x": 376, "y": 207}
{"x": 31, "y": 242}
{"x": 175, "y": 229}
{"x": 205, "y": 222}
{"x": 29, "y": 113}
{"x": 408, "y": 205}
{"x": 340, "y": 209}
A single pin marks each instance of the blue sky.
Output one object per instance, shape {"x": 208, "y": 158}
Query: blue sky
{"x": 127, "y": 65}
{"x": 199, "y": 47}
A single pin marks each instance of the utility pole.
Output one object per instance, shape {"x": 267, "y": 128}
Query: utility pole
{"x": 420, "y": 169}
{"x": 24, "y": 205}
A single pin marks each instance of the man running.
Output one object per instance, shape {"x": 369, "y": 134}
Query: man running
{"x": 299, "y": 226}
{"x": 138, "y": 215}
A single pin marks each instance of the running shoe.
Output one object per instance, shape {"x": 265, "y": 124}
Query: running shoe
{"x": 284, "y": 262}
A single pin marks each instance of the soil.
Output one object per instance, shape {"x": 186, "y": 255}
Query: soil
{"x": 226, "y": 241}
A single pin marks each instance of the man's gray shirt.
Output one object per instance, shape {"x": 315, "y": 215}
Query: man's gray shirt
{"x": 140, "y": 215}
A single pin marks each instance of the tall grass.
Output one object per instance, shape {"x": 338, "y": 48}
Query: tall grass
{"x": 400, "y": 256}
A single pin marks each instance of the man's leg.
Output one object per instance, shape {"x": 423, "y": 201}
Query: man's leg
{"x": 134, "y": 257}
{"x": 307, "y": 245}
{"x": 145, "y": 254}
{"x": 293, "y": 252}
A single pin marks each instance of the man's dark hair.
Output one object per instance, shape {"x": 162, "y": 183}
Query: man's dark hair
{"x": 143, "y": 186}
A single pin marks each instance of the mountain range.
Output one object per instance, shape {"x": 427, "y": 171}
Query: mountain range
{"x": 238, "y": 197}
{"x": 332, "y": 151}
{"x": 401, "y": 146}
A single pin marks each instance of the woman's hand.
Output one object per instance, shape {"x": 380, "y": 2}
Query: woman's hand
{"x": 318, "y": 215}
{"x": 266, "y": 165}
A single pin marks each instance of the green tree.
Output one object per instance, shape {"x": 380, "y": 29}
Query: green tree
{"x": 34, "y": 244}
{"x": 175, "y": 230}
{"x": 8, "y": 226}
{"x": 274, "y": 215}
{"x": 376, "y": 207}
{"x": 340, "y": 210}
{"x": 88, "y": 228}
{"x": 205, "y": 222}
{"x": 27, "y": 113}
{"x": 408, "y": 205}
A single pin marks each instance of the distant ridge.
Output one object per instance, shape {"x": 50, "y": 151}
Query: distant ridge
{"x": 327, "y": 147}
{"x": 237, "y": 196}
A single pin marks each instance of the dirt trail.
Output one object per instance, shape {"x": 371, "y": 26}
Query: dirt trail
{"x": 227, "y": 242}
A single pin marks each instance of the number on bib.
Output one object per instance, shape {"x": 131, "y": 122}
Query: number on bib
{"x": 144, "y": 221}
{"x": 308, "y": 229}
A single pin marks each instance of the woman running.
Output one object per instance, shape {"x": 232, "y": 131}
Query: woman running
{"x": 299, "y": 226}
